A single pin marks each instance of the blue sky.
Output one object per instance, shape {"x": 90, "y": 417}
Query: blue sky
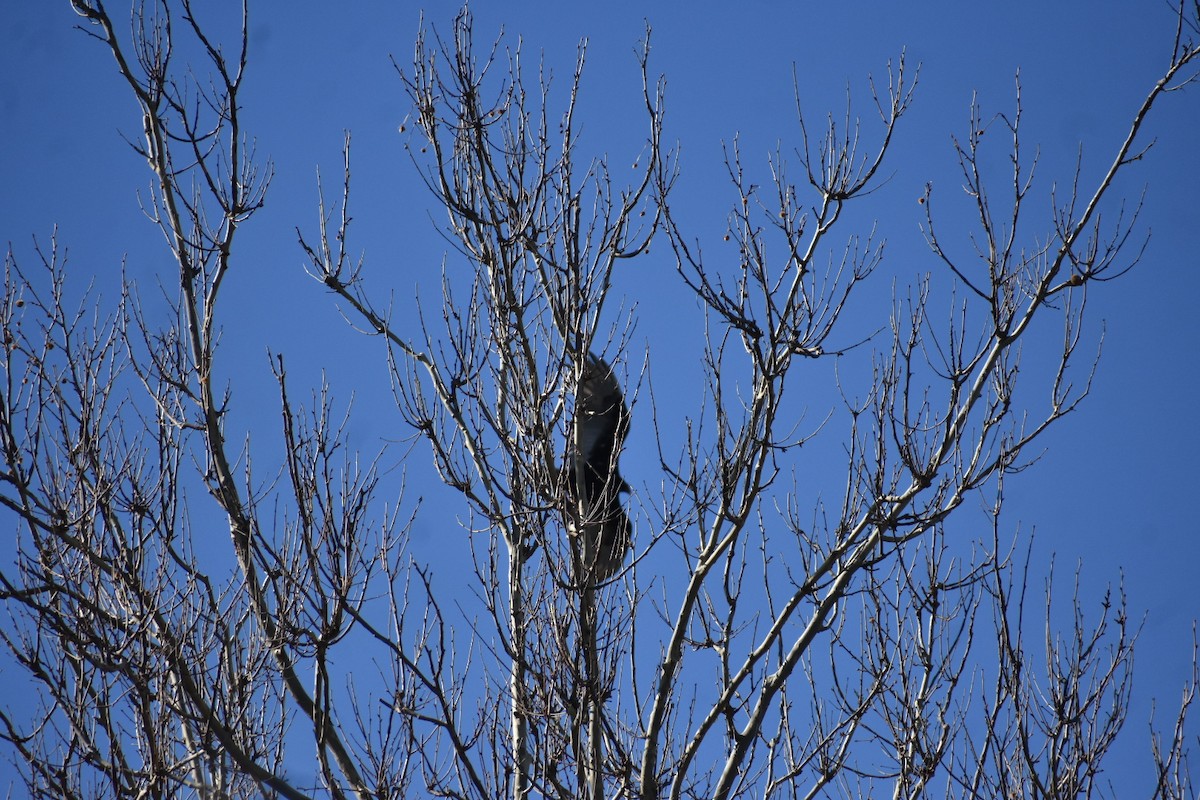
{"x": 1115, "y": 488}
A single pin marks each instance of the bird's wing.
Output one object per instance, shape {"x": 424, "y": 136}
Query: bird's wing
{"x": 603, "y": 420}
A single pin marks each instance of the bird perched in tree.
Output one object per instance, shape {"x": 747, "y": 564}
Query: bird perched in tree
{"x": 597, "y": 522}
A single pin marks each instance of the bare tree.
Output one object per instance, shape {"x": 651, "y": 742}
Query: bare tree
{"x": 796, "y": 650}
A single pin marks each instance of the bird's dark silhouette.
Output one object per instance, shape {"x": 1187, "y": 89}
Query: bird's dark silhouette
{"x": 597, "y": 522}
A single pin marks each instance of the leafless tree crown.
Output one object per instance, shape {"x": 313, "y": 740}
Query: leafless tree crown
{"x": 778, "y": 646}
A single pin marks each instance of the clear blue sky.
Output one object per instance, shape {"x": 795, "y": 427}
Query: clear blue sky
{"x": 1115, "y": 488}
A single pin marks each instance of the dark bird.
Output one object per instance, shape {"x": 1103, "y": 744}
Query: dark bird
{"x": 597, "y": 522}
